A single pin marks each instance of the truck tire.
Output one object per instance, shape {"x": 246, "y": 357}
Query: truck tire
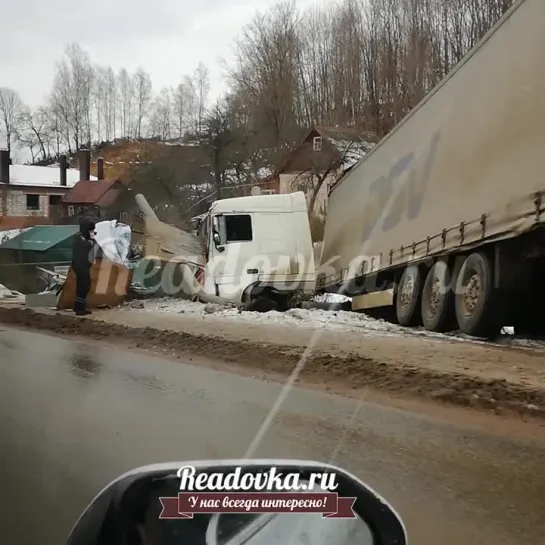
{"x": 475, "y": 300}
{"x": 408, "y": 297}
{"x": 262, "y": 303}
{"x": 438, "y": 299}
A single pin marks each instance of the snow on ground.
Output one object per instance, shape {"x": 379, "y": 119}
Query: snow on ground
{"x": 309, "y": 318}
{"x": 351, "y": 152}
{"x": 9, "y": 295}
{"x": 11, "y": 233}
{"x": 317, "y": 319}
{"x": 264, "y": 172}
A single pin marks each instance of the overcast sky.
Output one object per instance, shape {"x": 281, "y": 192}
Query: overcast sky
{"x": 167, "y": 38}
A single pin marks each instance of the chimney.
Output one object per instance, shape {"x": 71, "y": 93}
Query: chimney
{"x": 63, "y": 167}
{"x": 84, "y": 164}
{"x": 5, "y": 162}
{"x": 100, "y": 168}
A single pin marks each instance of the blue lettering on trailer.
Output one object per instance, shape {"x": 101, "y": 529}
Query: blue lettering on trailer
{"x": 417, "y": 190}
{"x": 409, "y": 196}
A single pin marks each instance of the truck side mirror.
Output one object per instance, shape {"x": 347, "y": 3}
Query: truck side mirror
{"x": 217, "y": 242}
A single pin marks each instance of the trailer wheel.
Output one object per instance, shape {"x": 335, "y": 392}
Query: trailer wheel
{"x": 408, "y": 297}
{"x": 475, "y": 298}
{"x": 438, "y": 299}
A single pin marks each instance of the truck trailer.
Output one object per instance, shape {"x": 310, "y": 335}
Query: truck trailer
{"x": 443, "y": 221}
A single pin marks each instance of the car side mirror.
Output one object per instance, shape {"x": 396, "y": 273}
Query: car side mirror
{"x": 243, "y": 501}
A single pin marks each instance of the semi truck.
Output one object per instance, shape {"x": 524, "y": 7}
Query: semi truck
{"x": 255, "y": 252}
{"x": 258, "y": 251}
{"x": 442, "y": 223}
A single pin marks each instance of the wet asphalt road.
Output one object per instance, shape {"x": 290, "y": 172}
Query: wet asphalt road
{"x": 73, "y": 416}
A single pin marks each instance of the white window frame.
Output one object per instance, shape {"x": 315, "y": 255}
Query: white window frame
{"x": 317, "y": 143}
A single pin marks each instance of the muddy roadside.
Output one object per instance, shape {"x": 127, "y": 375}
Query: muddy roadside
{"x": 502, "y": 380}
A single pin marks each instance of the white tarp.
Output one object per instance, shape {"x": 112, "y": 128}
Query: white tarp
{"x": 115, "y": 240}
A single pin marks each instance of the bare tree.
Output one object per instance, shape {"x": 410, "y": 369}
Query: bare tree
{"x": 142, "y": 97}
{"x": 356, "y": 63}
{"x": 71, "y": 96}
{"x": 202, "y": 86}
{"x": 180, "y": 108}
{"x": 110, "y": 98}
{"x": 57, "y": 128}
{"x": 268, "y": 54}
{"x": 217, "y": 138}
{"x": 126, "y": 99}
{"x": 99, "y": 100}
{"x": 11, "y": 115}
{"x": 36, "y": 133}
{"x": 191, "y": 103}
{"x": 161, "y": 117}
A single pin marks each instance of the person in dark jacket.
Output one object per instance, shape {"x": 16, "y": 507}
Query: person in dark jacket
{"x": 82, "y": 259}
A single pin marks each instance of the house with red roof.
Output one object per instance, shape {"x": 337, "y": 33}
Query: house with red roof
{"x": 93, "y": 198}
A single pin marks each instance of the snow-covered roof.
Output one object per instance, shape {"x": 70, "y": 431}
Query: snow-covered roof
{"x": 351, "y": 151}
{"x": 32, "y": 175}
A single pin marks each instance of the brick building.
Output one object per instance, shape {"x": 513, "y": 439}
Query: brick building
{"x": 32, "y": 195}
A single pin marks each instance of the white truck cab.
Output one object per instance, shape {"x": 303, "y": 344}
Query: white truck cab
{"x": 258, "y": 250}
